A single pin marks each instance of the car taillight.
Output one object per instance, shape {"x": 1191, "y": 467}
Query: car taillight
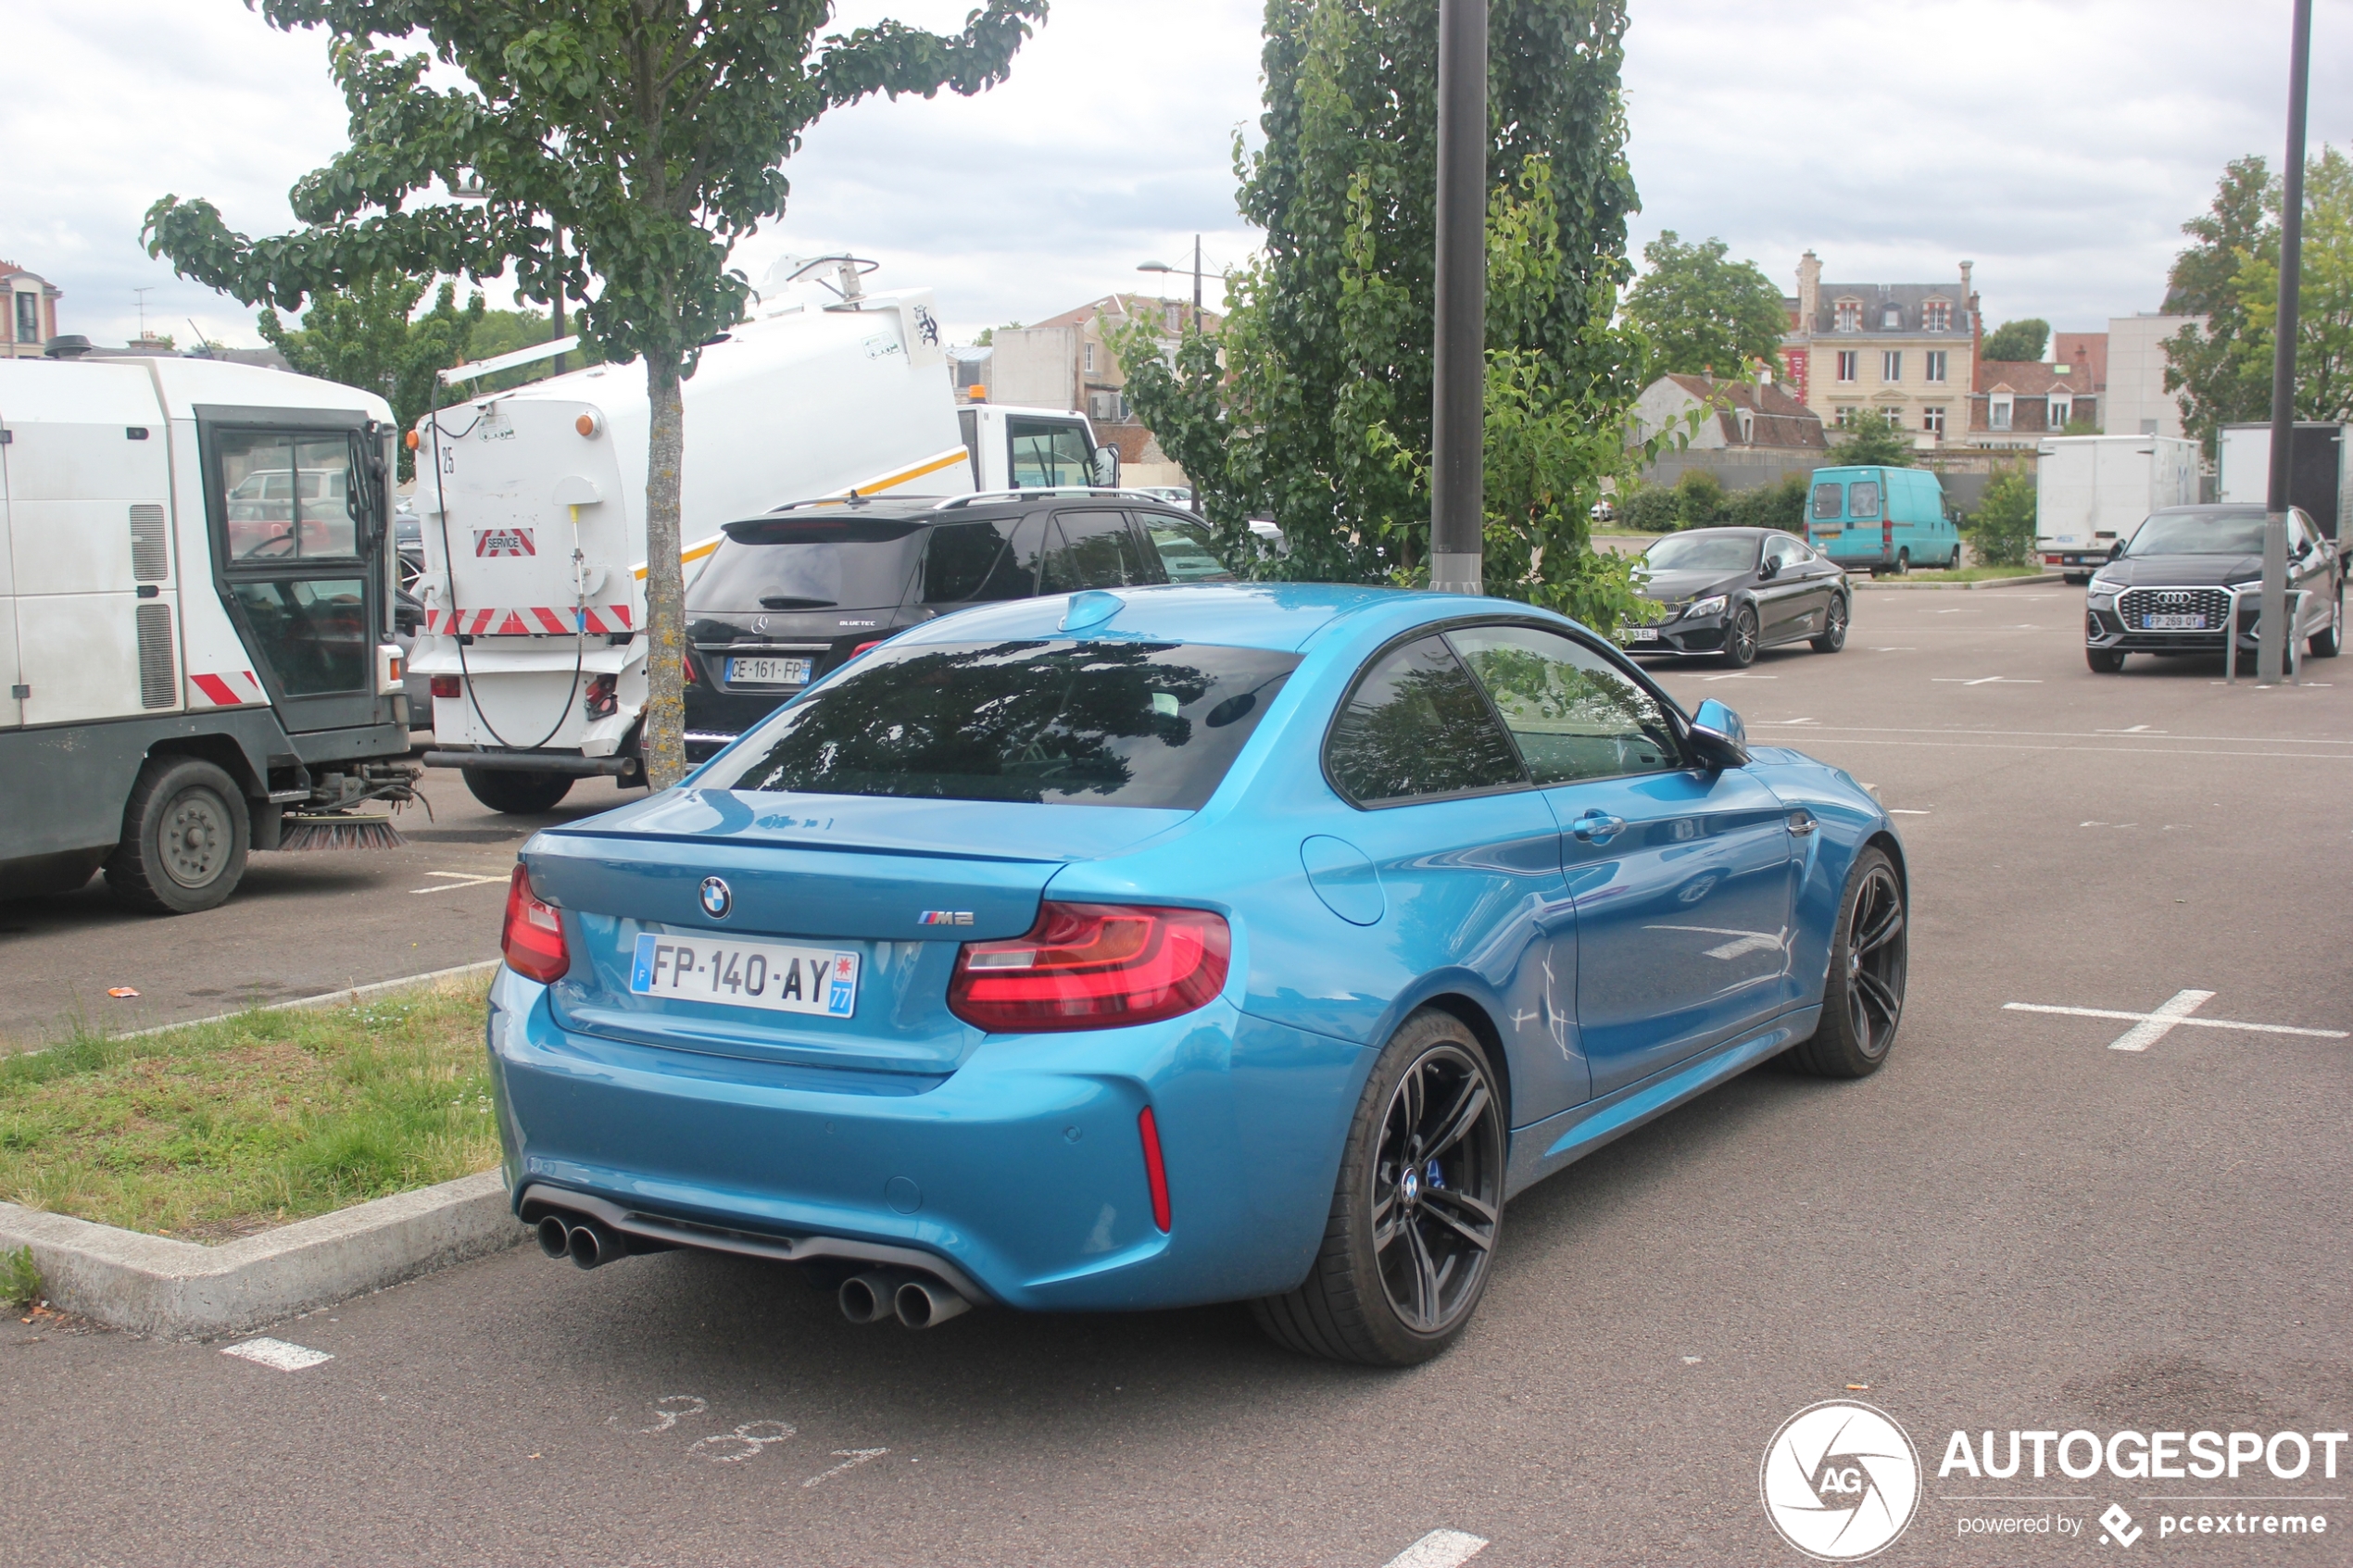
{"x": 446, "y": 685}
{"x": 599, "y": 701}
{"x": 1092, "y": 966}
{"x": 861, "y": 647}
{"x": 686, "y": 668}
{"x": 533, "y": 940}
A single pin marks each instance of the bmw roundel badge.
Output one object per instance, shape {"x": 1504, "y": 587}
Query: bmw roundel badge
{"x": 716, "y": 899}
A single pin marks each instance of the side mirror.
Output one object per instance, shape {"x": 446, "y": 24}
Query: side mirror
{"x": 1107, "y": 468}
{"x": 1718, "y": 736}
{"x": 1768, "y": 569}
{"x": 2115, "y": 551}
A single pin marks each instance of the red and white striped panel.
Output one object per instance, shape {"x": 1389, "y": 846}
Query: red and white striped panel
{"x": 238, "y": 688}
{"x": 605, "y": 618}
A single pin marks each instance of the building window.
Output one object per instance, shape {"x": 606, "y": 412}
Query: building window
{"x": 2062, "y": 410}
{"x": 1997, "y": 416}
{"x": 1890, "y": 365}
{"x": 1849, "y": 364}
{"x": 1090, "y": 359}
{"x": 1891, "y": 320}
{"x": 1935, "y": 369}
{"x": 1936, "y": 317}
{"x": 1846, "y": 412}
{"x": 1748, "y": 427}
{"x": 28, "y": 317}
{"x": 1932, "y": 422}
{"x": 1850, "y": 316}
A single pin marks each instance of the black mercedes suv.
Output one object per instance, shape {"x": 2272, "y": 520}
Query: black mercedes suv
{"x": 793, "y": 593}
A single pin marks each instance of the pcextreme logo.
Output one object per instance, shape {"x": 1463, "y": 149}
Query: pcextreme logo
{"x": 1841, "y": 1480}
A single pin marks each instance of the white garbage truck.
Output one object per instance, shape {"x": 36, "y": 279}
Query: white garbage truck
{"x": 196, "y": 602}
{"x": 533, "y": 501}
{"x": 2092, "y": 492}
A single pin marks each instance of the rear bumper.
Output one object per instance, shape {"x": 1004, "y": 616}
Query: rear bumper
{"x": 1023, "y": 1170}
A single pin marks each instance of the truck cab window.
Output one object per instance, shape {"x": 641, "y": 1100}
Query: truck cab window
{"x": 289, "y": 496}
{"x": 1048, "y": 453}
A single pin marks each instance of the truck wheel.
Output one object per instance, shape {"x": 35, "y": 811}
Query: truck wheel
{"x": 1903, "y": 563}
{"x": 517, "y": 792}
{"x": 185, "y": 837}
{"x": 2105, "y": 662}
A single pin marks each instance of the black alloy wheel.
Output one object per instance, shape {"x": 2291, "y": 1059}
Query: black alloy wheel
{"x": 1411, "y": 1240}
{"x": 1739, "y": 637}
{"x": 1832, "y": 636}
{"x": 1863, "y": 1001}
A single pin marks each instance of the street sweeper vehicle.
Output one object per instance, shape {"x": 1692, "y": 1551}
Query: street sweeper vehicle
{"x": 533, "y": 502}
{"x": 195, "y": 597}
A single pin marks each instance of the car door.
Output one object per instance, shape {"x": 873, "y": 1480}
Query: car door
{"x": 1788, "y": 600}
{"x": 1679, "y": 875}
{"x": 2309, "y": 569}
{"x": 1094, "y": 547}
{"x": 1464, "y": 872}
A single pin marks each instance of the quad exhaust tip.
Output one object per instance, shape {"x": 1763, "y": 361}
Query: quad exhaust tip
{"x": 923, "y": 1303}
{"x": 915, "y": 1301}
{"x": 586, "y": 1242}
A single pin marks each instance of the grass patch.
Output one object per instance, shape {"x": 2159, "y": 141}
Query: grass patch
{"x": 1972, "y": 574}
{"x": 219, "y": 1130}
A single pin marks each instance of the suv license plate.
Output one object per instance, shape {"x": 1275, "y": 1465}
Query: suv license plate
{"x": 2173, "y": 624}
{"x": 768, "y": 672}
{"x": 1638, "y": 634}
{"x": 774, "y": 976}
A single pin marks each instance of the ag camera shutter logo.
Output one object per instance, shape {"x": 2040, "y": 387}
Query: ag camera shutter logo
{"x": 1841, "y": 1480}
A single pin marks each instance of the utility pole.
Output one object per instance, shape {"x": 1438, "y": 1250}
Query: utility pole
{"x": 1197, "y": 285}
{"x": 1458, "y": 501}
{"x": 2270, "y": 654}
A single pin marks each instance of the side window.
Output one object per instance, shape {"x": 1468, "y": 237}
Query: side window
{"x": 1048, "y": 453}
{"x": 958, "y": 560}
{"x": 1864, "y": 499}
{"x": 1572, "y": 713}
{"x": 1829, "y": 500}
{"x": 1415, "y": 727}
{"x": 1186, "y": 548}
{"x": 1784, "y": 552}
{"x": 289, "y": 496}
{"x": 1092, "y": 550}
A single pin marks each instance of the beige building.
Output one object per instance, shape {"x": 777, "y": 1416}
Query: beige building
{"x": 1904, "y": 350}
{"x": 1070, "y": 361}
{"x": 2137, "y": 401}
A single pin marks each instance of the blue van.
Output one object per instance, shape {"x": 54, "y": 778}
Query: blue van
{"x": 1882, "y": 519}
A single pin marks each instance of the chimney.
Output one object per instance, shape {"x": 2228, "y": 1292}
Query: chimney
{"x": 1966, "y": 267}
{"x": 1809, "y": 291}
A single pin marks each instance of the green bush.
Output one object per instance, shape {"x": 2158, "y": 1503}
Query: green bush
{"x": 1647, "y": 509}
{"x": 2002, "y": 528}
{"x": 1699, "y": 499}
{"x": 1779, "y": 505}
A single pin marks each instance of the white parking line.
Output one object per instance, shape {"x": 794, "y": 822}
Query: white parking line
{"x": 2150, "y": 1027}
{"x": 1440, "y": 1548}
{"x": 277, "y": 1353}
{"x": 462, "y": 879}
{"x": 1982, "y": 680}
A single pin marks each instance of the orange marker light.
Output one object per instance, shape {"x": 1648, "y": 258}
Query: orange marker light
{"x": 413, "y": 441}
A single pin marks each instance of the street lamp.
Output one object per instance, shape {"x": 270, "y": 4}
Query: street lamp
{"x": 1164, "y": 266}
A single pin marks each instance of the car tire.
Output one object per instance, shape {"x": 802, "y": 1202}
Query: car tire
{"x": 1863, "y": 998}
{"x": 1431, "y": 1102}
{"x": 2328, "y": 644}
{"x": 186, "y": 835}
{"x": 1833, "y": 633}
{"x": 1903, "y": 563}
{"x": 2105, "y": 662}
{"x": 517, "y": 792}
{"x": 1739, "y": 637}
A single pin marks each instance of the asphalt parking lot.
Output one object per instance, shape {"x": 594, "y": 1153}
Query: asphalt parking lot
{"x": 2016, "y": 1225}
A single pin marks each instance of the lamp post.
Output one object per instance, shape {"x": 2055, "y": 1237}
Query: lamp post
{"x": 1180, "y": 271}
{"x": 2272, "y": 639}
{"x": 1458, "y": 501}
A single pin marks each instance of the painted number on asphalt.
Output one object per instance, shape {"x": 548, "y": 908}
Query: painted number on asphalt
{"x": 748, "y": 1441}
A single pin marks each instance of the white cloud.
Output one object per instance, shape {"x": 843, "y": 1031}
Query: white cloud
{"x": 2057, "y": 144}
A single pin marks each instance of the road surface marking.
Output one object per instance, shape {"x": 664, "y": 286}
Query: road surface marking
{"x": 1736, "y": 677}
{"x": 851, "y": 1460}
{"x": 1982, "y": 680}
{"x": 1895, "y": 651}
{"x": 277, "y": 1353}
{"x": 2150, "y": 1027}
{"x": 1901, "y": 811}
{"x": 462, "y": 879}
{"x": 2063, "y": 735}
{"x": 1440, "y": 1548}
{"x": 2135, "y": 730}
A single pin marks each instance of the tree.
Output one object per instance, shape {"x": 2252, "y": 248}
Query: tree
{"x": 2002, "y": 528}
{"x": 2016, "y": 339}
{"x": 1875, "y": 439}
{"x": 1313, "y": 406}
{"x": 367, "y": 337}
{"x": 647, "y": 132}
{"x": 1703, "y": 314}
{"x": 2224, "y": 369}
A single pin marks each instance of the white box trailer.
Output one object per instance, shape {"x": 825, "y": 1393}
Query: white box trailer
{"x": 2093, "y": 492}
{"x": 532, "y": 508}
{"x": 2319, "y": 475}
{"x": 195, "y": 609}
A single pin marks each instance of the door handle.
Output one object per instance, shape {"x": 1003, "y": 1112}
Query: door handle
{"x": 1597, "y": 827}
{"x": 1801, "y": 822}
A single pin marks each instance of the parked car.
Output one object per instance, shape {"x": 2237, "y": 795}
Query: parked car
{"x": 408, "y": 618}
{"x": 409, "y": 548}
{"x": 790, "y": 595}
{"x": 1880, "y": 519}
{"x": 1153, "y": 947}
{"x": 1732, "y": 591}
{"x": 2168, "y": 590}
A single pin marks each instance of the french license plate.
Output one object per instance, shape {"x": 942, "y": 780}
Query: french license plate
{"x": 771, "y": 975}
{"x": 1638, "y": 634}
{"x": 2173, "y": 624}
{"x": 768, "y": 672}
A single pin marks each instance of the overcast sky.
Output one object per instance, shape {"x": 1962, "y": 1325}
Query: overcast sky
{"x": 2058, "y": 144}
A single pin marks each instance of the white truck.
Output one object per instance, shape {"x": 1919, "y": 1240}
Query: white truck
{"x": 2092, "y": 492}
{"x": 2319, "y": 475}
{"x": 532, "y": 508}
{"x": 196, "y": 598}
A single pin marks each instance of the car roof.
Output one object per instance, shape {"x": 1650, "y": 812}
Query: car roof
{"x": 1724, "y": 533}
{"x": 930, "y": 510}
{"x": 2212, "y": 509}
{"x": 1278, "y": 616}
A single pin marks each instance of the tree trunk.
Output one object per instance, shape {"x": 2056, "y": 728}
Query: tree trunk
{"x": 663, "y": 731}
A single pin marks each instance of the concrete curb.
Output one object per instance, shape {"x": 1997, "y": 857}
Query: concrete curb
{"x": 182, "y": 1290}
{"x": 1854, "y": 581}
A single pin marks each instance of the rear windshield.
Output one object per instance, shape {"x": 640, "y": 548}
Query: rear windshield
{"x": 2199, "y": 534}
{"x": 1862, "y": 499}
{"x": 1108, "y": 724}
{"x": 1829, "y": 499}
{"x": 807, "y": 563}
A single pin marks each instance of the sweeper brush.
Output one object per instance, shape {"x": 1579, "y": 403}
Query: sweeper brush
{"x": 334, "y": 832}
